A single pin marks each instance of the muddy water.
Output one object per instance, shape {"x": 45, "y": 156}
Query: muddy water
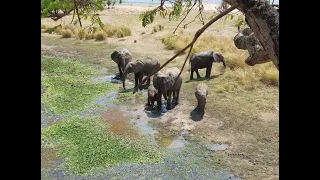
{"x": 49, "y": 157}
{"x": 119, "y": 124}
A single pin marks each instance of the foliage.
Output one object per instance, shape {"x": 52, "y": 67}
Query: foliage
{"x": 86, "y": 9}
{"x": 175, "y": 14}
{"x": 147, "y": 17}
{"x": 85, "y": 145}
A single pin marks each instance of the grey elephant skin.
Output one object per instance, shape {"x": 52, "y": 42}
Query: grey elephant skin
{"x": 122, "y": 58}
{"x": 168, "y": 84}
{"x": 153, "y": 96}
{"x": 204, "y": 60}
{"x": 140, "y": 68}
{"x": 201, "y": 94}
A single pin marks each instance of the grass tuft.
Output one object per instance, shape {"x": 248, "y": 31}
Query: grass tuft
{"x": 101, "y": 35}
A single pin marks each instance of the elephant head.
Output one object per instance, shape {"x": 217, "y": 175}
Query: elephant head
{"x": 217, "y": 57}
{"x": 163, "y": 83}
{"x": 132, "y": 67}
{"x": 122, "y": 58}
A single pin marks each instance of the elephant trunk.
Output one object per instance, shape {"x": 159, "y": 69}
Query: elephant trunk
{"x": 164, "y": 92}
{"x": 224, "y": 63}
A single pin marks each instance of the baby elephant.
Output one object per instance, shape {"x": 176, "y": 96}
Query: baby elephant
{"x": 201, "y": 95}
{"x": 153, "y": 96}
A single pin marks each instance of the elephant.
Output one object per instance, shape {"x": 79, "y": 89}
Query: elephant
{"x": 167, "y": 83}
{"x": 204, "y": 60}
{"x": 140, "y": 68}
{"x": 153, "y": 96}
{"x": 122, "y": 58}
{"x": 201, "y": 94}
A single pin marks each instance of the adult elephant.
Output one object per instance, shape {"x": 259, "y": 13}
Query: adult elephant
{"x": 140, "y": 68}
{"x": 204, "y": 60}
{"x": 168, "y": 84}
{"x": 122, "y": 58}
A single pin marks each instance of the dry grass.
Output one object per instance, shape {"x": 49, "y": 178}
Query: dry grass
{"x": 243, "y": 75}
{"x": 114, "y": 31}
{"x": 66, "y": 33}
{"x": 101, "y": 35}
{"x": 82, "y": 34}
{"x": 157, "y": 28}
{"x": 43, "y": 26}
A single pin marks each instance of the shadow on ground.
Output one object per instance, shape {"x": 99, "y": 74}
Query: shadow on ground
{"x": 195, "y": 115}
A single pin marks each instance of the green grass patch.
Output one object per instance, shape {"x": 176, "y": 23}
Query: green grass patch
{"x": 85, "y": 145}
{"x": 69, "y": 85}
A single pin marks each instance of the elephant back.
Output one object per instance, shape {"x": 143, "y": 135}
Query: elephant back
{"x": 150, "y": 65}
{"x": 201, "y": 59}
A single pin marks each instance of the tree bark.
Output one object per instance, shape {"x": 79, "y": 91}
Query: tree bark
{"x": 263, "y": 20}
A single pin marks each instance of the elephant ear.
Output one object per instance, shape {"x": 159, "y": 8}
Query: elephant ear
{"x": 138, "y": 66}
{"x": 115, "y": 56}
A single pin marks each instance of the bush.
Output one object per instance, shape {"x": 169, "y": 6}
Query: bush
{"x": 66, "y": 33}
{"x": 81, "y": 34}
{"x": 101, "y": 35}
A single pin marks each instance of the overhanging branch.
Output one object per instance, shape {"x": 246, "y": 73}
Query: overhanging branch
{"x": 196, "y": 36}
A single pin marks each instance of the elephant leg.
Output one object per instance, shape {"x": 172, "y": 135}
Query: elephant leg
{"x": 159, "y": 102}
{"x": 198, "y": 75}
{"x": 191, "y": 74}
{"x": 208, "y": 72}
{"x": 120, "y": 71}
{"x": 169, "y": 100}
{"x": 174, "y": 96}
{"x": 136, "y": 76}
{"x": 140, "y": 79}
{"x": 148, "y": 82}
{"x": 177, "y": 96}
{"x": 152, "y": 104}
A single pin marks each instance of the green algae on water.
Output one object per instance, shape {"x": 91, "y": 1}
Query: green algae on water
{"x": 69, "y": 85}
{"x": 85, "y": 145}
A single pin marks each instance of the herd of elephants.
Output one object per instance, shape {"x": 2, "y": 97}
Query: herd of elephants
{"x": 168, "y": 82}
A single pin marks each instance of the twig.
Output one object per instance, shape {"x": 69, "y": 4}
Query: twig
{"x": 195, "y": 2}
{"x": 196, "y": 36}
{"x": 76, "y": 6}
{"x": 73, "y": 14}
{"x": 192, "y": 20}
{"x": 185, "y": 62}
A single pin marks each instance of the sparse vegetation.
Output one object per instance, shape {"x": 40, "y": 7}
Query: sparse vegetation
{"x": 157, "y": 28}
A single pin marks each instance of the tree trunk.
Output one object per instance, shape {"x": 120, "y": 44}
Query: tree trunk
{"x": 263, "y": 20}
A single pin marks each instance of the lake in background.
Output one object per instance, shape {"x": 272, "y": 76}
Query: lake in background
{"x": 158, "y": 1}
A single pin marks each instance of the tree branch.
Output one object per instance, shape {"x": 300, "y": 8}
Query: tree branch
{"x": 196, "y": 36}
{"x": 76, "y": 6}
{"x": 188, "y": 11}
